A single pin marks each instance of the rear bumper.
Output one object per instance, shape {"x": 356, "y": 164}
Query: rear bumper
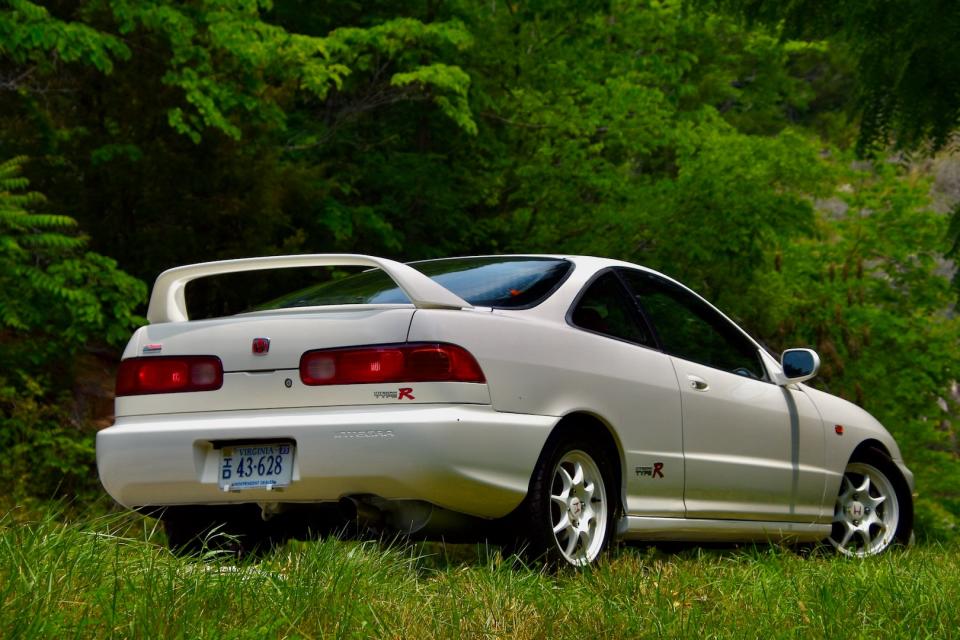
{"x": 467, "y": 458}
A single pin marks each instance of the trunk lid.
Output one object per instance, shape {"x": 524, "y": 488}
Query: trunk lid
{"x": 271, "y": 381}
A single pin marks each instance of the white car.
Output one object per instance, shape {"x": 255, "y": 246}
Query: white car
{"x": 571, "y": 400}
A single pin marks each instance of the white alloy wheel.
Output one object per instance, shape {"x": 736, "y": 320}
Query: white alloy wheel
{"x": 867, "y": 512}
{"x": 578, "y": 508}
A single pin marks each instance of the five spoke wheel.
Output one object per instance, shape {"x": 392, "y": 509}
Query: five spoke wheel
{"x": 867, "y": 512}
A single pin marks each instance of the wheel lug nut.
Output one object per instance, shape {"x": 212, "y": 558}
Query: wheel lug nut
{"x": 856, "y": 523}
{"x": 866, "y": 509}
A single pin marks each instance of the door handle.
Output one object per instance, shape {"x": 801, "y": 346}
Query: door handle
{"x": 697, "y": 383}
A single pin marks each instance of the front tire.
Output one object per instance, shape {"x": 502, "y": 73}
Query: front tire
{"x": 571, "y": 506}
{"x": 873, "y": 510}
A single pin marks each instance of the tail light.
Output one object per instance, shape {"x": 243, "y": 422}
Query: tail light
{"x": 169, "y": 374}
{"x": 408, "y": 362}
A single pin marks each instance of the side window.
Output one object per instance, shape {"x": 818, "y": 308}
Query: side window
{"x": 606, "y": 308}
{"x": 690, "y": 329}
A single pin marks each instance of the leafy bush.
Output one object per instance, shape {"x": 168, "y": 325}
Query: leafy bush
{"x": 55, "y": 302}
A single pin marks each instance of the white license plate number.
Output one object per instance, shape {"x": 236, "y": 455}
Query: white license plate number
{"x": 256, "y": 466}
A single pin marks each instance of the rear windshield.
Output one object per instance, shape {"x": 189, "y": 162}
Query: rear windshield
{"x": 504, "y": 283}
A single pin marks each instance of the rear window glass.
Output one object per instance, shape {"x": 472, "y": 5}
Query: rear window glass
{"x": 504, "y": 283}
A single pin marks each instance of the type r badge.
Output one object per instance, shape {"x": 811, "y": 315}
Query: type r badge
{"x": 403, "y": 393}
{"x": 261, "y": 346}
{"x": 656, "y": 471}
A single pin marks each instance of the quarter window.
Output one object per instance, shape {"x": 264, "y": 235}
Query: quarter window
{"x": 689, "y": 328}
{"x": 606, "y": 308}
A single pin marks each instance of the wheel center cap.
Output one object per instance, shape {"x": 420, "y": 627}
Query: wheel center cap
{"x": 855, "y": 510}
{"x": 576, "y": 508}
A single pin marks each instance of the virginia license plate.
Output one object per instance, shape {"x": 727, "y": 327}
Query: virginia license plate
{"x": 253, "y": 466}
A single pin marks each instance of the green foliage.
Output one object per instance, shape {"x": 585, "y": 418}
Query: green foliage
{"x": 444, "y": 77}
{"x": 29, "y": 35}
{"x": 47, "y": 453}
{"x": 907, "y": 59}
{"x": 55, "y": 300}
{"x": 642, "y": 132}
{"x": 953, "y": 240}
{"x": 22, "y": 235}
{"x": 232, "y": 68}
{"x": 733, "y": 196}
{"x": 42, "y": 269}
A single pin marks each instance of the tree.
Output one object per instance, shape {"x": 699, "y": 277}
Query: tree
{"x": 637, "y": 130}
{"x": 155, "y": 115}
{"x": 56, "y": 301}
{"x": 907, "y": 59}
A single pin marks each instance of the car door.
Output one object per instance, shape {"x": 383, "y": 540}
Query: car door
{"x": 753, "y": 450}
{"x": 634, "y": 385}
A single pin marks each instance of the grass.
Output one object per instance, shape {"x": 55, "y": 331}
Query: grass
{"x": 111, "y": 577}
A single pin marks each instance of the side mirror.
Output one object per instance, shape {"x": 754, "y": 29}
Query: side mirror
{"x": 799, "y": 365}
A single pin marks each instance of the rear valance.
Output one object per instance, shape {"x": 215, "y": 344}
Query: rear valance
{"x": 168, "y": 304}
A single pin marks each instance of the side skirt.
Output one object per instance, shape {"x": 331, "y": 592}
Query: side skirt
{"x": 701, "y": 530}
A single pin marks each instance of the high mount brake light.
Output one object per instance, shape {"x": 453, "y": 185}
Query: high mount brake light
{"x": 169, "y": 374}
{"x": 406, "y": 362}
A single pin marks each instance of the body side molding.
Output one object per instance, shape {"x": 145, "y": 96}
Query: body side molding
{"x": 704, "y": 530}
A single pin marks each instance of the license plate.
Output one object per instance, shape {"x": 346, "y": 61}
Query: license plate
{"x": 256, "y": 466}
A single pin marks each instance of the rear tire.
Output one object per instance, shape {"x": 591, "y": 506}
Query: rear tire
{"x": 571, "y": 507}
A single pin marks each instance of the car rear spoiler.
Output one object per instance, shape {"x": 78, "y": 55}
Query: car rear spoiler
{"x": 168, "y": 304}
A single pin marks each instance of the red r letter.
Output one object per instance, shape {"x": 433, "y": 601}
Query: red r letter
{"x": 405, "y": 392}
{"x": 657, "y": 470}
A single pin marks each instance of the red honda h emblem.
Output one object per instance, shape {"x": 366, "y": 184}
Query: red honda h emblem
{"x": 261, "y": 346}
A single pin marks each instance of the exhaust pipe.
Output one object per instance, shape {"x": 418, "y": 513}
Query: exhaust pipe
{"x": 362, "y": 513}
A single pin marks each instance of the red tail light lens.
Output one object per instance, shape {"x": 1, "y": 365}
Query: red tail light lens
{"x": 169, "y": 374}
{"x": 408, "y": 362}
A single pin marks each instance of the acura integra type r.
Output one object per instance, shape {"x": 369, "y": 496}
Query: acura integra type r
{"x": 566, "y": 400}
